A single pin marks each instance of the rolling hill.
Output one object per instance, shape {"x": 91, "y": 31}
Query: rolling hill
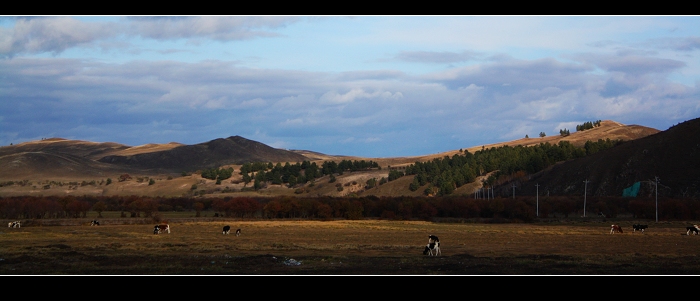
{"x": 65, "y": 160}
{"x": 234, "y": 150}
{"x": 672, "y": 155}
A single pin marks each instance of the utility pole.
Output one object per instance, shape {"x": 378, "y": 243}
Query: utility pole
{"x": 538, "y": 199}
{"x": 584, "y": 196}
{"x": 513, "y": 191}
{"x": 657, "y": 197}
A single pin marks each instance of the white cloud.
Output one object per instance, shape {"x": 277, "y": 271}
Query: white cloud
{"x": 336, "y": 98}
{"x": 323, "y": 83}
{"x": 252, "y": 103}
{"x": 222, "y": 28}
{"x": 51, "y": 34}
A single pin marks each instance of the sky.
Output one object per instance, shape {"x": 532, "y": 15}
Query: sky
{"x": 356, "y": 85}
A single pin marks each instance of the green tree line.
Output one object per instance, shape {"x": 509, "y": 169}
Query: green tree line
{"x": 298, "y": 173}
{"x": 444, "y": 175}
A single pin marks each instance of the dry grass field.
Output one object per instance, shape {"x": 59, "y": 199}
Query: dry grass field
{"x": 196, "y": 246}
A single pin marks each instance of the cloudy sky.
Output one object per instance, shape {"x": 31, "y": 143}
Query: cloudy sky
{"x": 372, "y": 86}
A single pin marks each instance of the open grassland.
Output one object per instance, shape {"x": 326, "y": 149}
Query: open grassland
{"x": 196, "y": 246}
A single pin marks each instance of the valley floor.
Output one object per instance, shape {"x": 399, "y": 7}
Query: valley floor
{"x": 364, "y": 247}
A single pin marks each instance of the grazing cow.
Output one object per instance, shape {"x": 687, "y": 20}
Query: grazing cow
{"x": 15, "y": 224}
{"x": 693, "y": 229}
{"x": 95, "y": 223}
{"x": 615, "y": 228}
{"x": 432, "y": 247}
{"x": 238, "y": 232}
{"x": 161, "y": 228}
{"x": 639, "y": 227}
{"x": 226, "y": 229}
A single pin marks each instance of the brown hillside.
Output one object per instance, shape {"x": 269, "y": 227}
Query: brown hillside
{"x": 142, "y": 149}
{"x": 672, "y": 155}
{"x": 212, "y": 154}
{"x": 608, "y": 129}
{"x": 39, "y": 166}
{"x": 73, "y": 160}
{"x": 78, "y": 148}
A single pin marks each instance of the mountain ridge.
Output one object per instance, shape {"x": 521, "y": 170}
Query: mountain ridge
{"x": 161, "y": 161}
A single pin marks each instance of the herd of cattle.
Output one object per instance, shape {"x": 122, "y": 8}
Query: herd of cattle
{"x": 694, "y": 229}
{"x": 431, "y": 249}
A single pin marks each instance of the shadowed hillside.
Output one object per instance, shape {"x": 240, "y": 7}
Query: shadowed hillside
{"x": 50, "y": 166}
{"x": 672, "y": 155}
{"x": 212, "y": 154}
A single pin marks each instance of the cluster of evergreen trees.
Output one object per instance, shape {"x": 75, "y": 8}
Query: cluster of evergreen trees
{"x": 446, "y": 174}
{"x": 217, "y": 174}
{"x": 331, "y": 167}
{"x": 298, "y": 173}
{"x": 587, "y": 125}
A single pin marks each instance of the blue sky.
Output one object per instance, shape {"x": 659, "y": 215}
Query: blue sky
{"x": 371, "y": 86}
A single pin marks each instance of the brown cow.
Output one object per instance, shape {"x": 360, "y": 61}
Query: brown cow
{"x": 161, "y": 228}
{"x": 615, "y": 228}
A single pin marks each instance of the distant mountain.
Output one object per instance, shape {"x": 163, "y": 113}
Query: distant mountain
{"x": 212, "y": 154}
{"x": 79, "y": 148}
{"x": 56, "y": 158}
{"x": 672, "y": 155}
{"x": 59, "y": 159}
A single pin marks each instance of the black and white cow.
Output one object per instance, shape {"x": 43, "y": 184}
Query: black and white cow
{"x": 15, "y": 224}
{"x": 432, "y": 247}
{"x": 238, "y": 232}
{"x": 161, "y": 228}
{"x": 94, "y": 223}
{"x": 639, "y": 227}
{"x": 693, "y": 228}
{"x": 615, "y": 228}
{"x": 226, "y": 229}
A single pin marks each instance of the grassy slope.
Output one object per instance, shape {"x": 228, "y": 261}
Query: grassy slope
{"x": 181, "y": 186}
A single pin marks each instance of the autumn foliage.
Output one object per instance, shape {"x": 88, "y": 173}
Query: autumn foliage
{"x": 519, "y": 209}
